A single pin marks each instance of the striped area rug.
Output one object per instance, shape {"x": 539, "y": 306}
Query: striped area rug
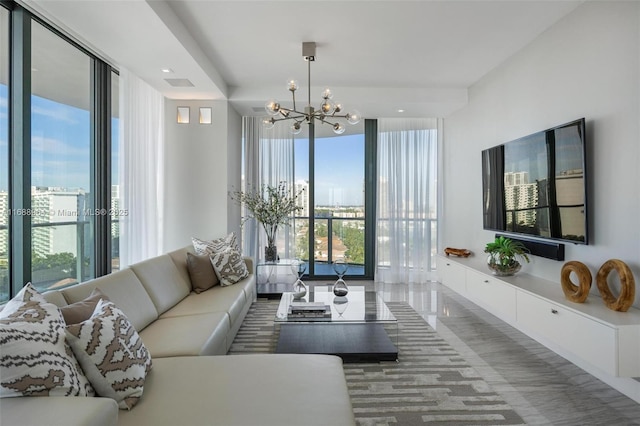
{"x": 429, "y": 384}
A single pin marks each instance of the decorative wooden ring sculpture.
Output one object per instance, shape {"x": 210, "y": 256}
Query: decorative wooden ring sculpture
{"x": 628, "y": 285}
{"x": 572, "y": 291}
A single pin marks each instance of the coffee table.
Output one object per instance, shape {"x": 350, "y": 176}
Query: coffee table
{"x": 357, "y": 331}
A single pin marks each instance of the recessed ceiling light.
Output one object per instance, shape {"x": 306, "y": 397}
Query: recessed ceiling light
{"x": 400, "y": 110}
{"x": 167, "y": 70}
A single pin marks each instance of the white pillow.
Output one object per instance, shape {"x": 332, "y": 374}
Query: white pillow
{"x": 112, "y": 354}
{"x": 35, "y": 359}
{"x": 229, "y": 266}
{"x": 209, "y": 247}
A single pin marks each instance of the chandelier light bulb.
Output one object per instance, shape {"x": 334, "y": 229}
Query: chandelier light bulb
{"x": 326, "y": 94}
{"x": 296, "y": 128}
{"x": 327, "y": 107}
{"x": 354, "y": 117}
{"x": 338, "y": 128}
{"x": 292, "y": 85}
{"x": 268, "y": 122}
{"x": 272, "y": 107}
{"x": 338, "y": 107}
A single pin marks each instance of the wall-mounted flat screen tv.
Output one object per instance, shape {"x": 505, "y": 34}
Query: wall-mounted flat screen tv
{"x": 536, "y": 185}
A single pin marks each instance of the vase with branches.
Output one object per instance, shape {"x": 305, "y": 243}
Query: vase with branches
{"x": 272, "y": 206}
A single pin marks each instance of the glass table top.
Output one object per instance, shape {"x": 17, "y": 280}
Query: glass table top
{"x": 358, "y": 305}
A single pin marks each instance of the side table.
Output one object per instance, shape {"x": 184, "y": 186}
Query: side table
{"x": 274, "y": 278}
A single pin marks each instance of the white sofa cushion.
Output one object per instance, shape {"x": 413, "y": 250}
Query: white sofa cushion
{"x": 125, "y": 290}
{"x": 232, "y": 390}
{"x": 162, "y": 280}
{"x": 59, "y": 410}
{"x": 202, "y": 334}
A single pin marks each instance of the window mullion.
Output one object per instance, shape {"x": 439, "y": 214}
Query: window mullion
{"x": 20, "y": 151}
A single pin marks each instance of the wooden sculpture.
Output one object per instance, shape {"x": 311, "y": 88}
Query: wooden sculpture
{"x": 457, "y": 252}
{"x": 571, "y": 291}
{"x": 628, "y": 286}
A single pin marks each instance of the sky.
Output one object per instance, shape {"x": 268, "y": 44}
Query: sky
{"x": 530, "y": 153}
{"x": 60, "y": 155}
{"x": 339, "y": 169}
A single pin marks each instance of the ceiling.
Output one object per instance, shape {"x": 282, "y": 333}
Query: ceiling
{"x": 376, "y": 56}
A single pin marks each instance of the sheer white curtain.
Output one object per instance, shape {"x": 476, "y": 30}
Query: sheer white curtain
{"x": 406, "y": 210}
{"x": 141, "y": 169}
{"x": 268, "y": 160}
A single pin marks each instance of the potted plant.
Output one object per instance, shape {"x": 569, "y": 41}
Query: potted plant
{"x": 503, "y": 253}
{"x": 272, "y": 206}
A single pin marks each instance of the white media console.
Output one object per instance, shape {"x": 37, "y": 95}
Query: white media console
{"x": 603, "y": 342}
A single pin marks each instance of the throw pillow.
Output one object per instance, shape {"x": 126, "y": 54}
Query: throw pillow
{"x": 80, "y": 311}
{"x": 112, "y": 354}
{"x": 208, "y": 247}
{"x": 229, "y": 265}
{"x": 201, "y": 272}
{"x": 35, "y": 359}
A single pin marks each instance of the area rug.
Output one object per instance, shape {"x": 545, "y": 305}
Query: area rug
{"x": 429, "y": 384}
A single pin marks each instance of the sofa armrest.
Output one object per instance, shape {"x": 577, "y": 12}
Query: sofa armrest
{"x": 58, "y": 410}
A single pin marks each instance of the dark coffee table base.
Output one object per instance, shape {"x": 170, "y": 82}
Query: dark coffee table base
{"x": 351, "y": 342}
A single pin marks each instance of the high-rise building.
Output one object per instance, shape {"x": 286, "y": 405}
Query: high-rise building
{"x": 59, "y": 218}
{"x": 520, "y": 195}
{"x": 302, "y": 187}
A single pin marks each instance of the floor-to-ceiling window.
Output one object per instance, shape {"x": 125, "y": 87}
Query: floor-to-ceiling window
{"x": 57, "y": 108}
{"x": 60, "y": 161}
{"x": 331, "y": 169}
{"x": 4, "y": 154}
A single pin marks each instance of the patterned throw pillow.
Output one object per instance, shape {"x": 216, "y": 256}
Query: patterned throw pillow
{"x": 35, "y": 359}
{"x": 209, "y": 247}
{"x": 112, "y": 354}
{"x": 229, "y": 266}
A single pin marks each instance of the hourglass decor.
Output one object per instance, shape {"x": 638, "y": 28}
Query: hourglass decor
{"x": 299, "y": 267}
{"x": 340, "y": 288}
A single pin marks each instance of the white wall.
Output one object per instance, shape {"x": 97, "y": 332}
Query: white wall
{"x": 587, "y": 65}
{"x": 198, "y": 171}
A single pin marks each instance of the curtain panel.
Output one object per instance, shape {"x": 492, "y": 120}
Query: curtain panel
{"x": 406, "y": 208}
{"x": 141, "y": 165}
{"x": 268, "y": 160}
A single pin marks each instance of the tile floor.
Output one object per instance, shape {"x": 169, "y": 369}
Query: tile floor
{"x": 544, "y": 388}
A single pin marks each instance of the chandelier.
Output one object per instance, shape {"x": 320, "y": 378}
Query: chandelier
{"x": 329, "y": 110}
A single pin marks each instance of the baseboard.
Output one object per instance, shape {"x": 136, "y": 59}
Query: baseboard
{"x": 547, "y": 249}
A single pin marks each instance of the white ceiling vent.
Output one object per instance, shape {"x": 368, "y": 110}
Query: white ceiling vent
{"x": 179, "y": 82}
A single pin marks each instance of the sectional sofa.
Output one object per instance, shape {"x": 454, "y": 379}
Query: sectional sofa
{"x": 192, "y": 380}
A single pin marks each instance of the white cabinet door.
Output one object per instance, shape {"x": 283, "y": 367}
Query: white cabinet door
{"x": 582, "y": 336}
{"x": 452, "y": 275}
{"x": 492, "y": 294}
